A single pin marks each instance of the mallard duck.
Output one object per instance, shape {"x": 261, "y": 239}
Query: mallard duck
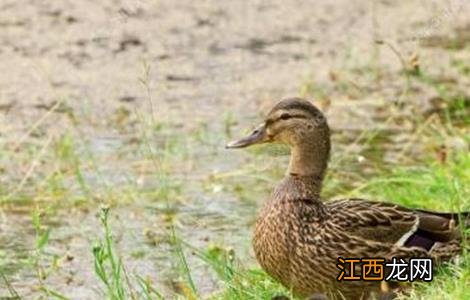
{"x": 299, "y": 237}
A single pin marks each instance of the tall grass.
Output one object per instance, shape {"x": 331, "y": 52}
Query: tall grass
{"x": 108, "y": 267}
{"x": 110, "y": 270}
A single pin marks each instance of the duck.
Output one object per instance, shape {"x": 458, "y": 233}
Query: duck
{"x": 299, "y": 237}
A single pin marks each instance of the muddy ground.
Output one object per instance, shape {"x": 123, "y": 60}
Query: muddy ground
{"x": 206, "y": 69}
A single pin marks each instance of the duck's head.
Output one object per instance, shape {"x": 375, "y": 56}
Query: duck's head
{"x": 294, "y": 121}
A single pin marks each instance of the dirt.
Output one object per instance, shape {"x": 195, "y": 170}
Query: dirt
{"x": 203, "y": 58}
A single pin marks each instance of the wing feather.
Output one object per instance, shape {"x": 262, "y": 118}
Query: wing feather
{"x": 393, "y": 224}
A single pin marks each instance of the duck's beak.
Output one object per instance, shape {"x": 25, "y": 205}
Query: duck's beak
{"x": 257, "y": 136}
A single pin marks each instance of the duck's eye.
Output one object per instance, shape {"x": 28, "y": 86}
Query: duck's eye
{"x": 285, "y": 116}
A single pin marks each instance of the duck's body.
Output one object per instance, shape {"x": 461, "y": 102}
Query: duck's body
{"x": 299, "y": 238}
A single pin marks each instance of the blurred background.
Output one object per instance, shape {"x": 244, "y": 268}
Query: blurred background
{"x": 127, "y": 105}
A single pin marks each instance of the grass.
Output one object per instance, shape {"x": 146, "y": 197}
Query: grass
{"x": 108, "y": 267}
{"x": 239, "y": 283}
{"x": 435, "y": 185}
{"x": 161, "y": 166}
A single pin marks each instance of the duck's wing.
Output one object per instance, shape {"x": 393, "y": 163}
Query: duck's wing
{"x": 393, "y": 224}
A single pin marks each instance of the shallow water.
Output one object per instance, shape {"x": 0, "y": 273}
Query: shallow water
{"x": 213, "y": 202}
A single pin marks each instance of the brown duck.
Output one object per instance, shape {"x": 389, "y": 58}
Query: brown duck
{"x": 299, "y": 237}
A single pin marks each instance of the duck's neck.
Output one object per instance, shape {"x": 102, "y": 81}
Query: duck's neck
{"x": 309, "y": 161}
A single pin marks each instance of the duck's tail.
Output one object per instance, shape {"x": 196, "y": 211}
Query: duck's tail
{"x": 451, "y": 219}
{"x": 437, "y": 227}
{"x": 440, "y": 233}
